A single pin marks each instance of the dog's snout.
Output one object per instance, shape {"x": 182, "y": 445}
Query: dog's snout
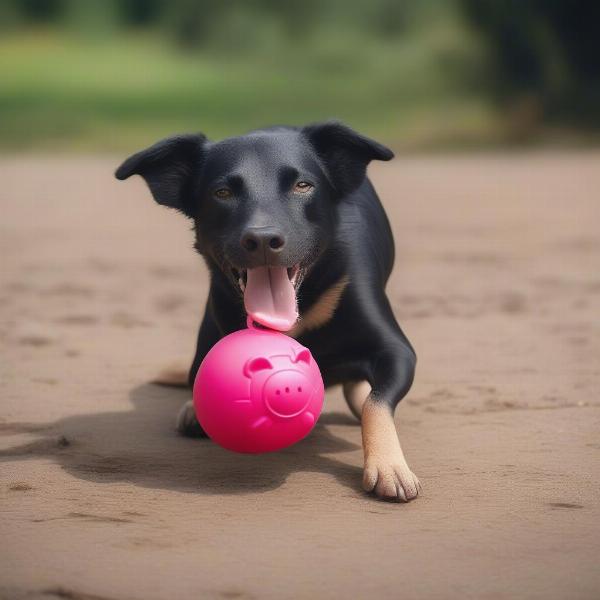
{"x": 262, "y": 241}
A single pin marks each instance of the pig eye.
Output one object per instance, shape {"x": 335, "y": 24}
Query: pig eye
{"x": 223, "y": 193}
{"x": 303, "y": 187}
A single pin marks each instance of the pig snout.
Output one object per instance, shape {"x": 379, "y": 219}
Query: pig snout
{"x": 287, "y": 393}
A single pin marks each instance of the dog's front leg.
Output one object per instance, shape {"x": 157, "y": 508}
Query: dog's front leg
{"x": 386, "y": 472}
{"x": 187, "y": 423}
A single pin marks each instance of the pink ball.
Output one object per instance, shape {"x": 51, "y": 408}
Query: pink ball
{"x": 258, "y": 390}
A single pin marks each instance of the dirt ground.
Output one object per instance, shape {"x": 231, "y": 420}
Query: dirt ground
{"x": 497, "y": 284}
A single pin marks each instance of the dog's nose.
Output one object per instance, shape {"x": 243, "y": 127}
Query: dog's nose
{"x": 263, "y": 241}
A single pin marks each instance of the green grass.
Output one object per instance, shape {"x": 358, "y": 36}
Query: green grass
{"x": 59, "y": 92}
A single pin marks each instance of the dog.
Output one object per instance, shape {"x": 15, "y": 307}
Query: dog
{"x": 295, "y": 237}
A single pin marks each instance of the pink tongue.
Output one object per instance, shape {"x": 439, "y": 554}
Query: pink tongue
{"x": 270, "y": 298}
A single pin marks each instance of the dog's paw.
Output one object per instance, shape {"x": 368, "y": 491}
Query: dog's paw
{"x": 187, "y": 423}
{"x": 174, "y": 375}
{"x": 391, "y": 481}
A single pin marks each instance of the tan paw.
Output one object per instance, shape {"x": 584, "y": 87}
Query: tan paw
{"x": 391, "y": 481}
{"x": 175, "y": 375}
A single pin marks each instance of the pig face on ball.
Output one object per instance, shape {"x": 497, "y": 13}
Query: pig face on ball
{"x": 282, "y": 384}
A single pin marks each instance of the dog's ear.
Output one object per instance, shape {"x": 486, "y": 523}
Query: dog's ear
{"x": 168, "y": 167}
{"x": 345, "y": 153}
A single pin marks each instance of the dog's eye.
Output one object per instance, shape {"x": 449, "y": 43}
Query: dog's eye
{"x": 223, "y": 193}
{"x": 302, "y": 187}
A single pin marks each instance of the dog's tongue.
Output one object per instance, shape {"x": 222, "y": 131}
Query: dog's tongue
{"x": 270, "y": 298}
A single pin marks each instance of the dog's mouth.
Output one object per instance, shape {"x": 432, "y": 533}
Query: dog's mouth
{"x": 270, "y": 294}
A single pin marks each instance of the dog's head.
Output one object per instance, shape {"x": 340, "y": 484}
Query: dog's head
{"x": 263, "y": 204}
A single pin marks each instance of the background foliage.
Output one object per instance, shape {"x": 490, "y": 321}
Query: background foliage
{"x": 107, "y": 74}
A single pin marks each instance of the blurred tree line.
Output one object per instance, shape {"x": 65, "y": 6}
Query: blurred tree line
{"x": 193, "y": 22}
{"x": 537, "y": 58}
{"x": 543, "y": 55}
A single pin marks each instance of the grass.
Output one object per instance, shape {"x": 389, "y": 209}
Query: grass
{"x": 62, "y": 92}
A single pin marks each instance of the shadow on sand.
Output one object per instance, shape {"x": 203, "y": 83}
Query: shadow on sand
{"x": 141, "y": 447}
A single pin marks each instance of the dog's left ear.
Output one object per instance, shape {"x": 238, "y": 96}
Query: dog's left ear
{"x": 168, "y": 168}
{"x": 345, "y": 153}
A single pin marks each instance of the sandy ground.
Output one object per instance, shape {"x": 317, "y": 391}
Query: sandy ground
{"x": 497, "y": 284}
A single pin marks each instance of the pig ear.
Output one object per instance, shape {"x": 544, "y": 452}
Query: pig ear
{"x": 303, "y": 356}
{"x": 260, "y": 363}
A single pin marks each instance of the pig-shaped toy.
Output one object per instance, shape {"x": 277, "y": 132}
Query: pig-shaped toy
{"x": 258, "y": 390}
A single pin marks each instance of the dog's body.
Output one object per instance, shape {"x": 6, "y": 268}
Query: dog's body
{"x": 298, "y": 199}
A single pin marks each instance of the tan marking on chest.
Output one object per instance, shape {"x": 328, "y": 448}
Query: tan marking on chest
{"x": 322, "y": 310}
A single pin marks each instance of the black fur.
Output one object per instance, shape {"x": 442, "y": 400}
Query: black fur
{"x": 339, "y": 229}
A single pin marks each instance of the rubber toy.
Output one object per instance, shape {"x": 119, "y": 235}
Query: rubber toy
{"x": 258, "y": 390}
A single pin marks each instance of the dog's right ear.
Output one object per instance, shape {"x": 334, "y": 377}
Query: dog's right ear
{"x": 168, "y": 167}
{"x": 345, "y": 153}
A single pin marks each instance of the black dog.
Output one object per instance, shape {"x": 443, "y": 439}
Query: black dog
{"x": 288, "y": 223}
